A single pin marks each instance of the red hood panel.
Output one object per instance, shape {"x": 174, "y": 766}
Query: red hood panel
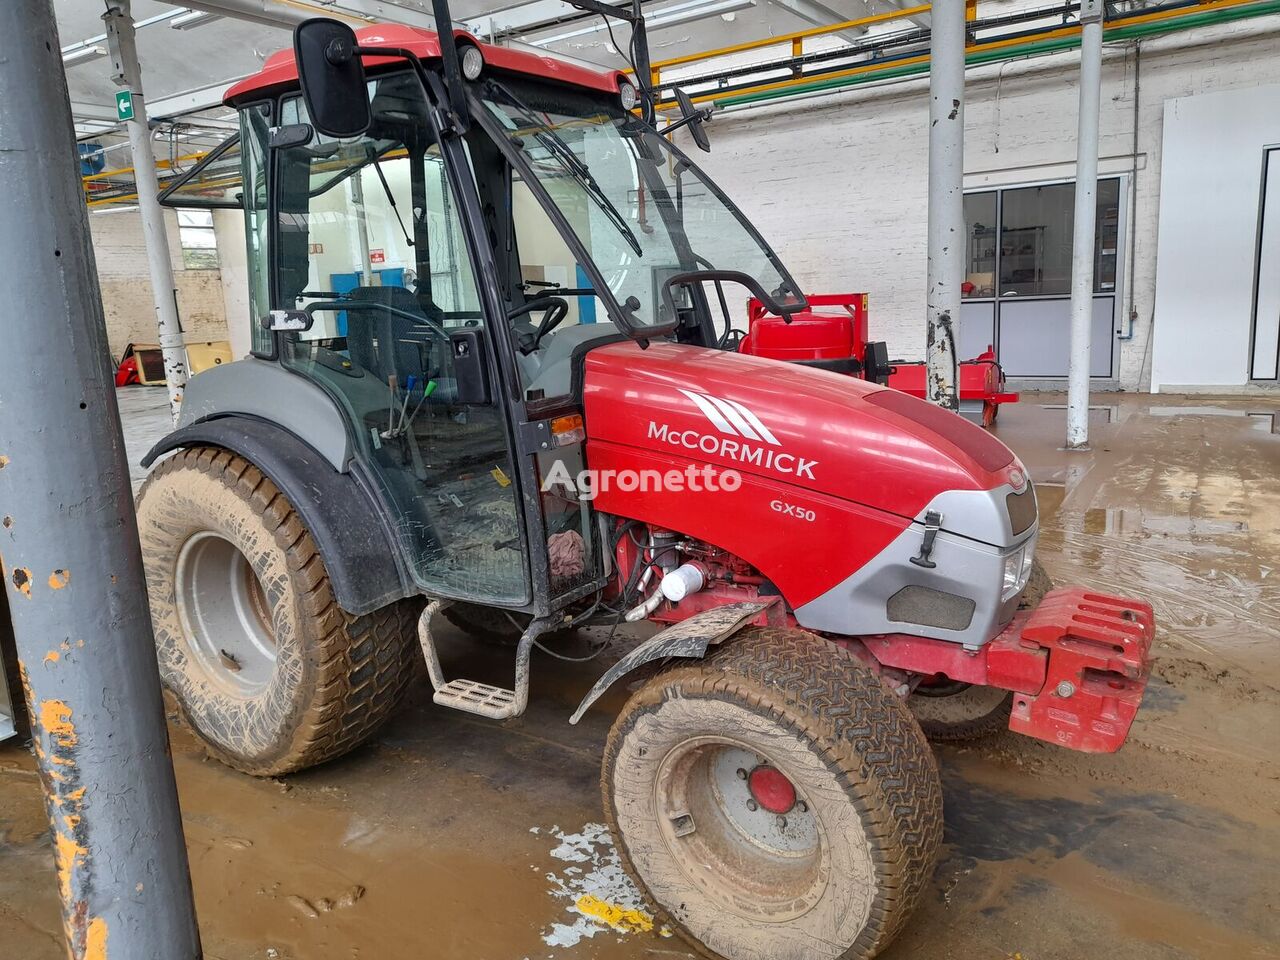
{"x": 813, "y": 428}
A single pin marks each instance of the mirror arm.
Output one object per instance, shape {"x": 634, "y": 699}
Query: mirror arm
{"x": 698, "y": 117}
{"x": 459, "y": 112}
{"x": 452, "y": 66}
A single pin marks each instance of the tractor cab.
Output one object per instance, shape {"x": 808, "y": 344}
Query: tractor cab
{"x": 436, "y": 254}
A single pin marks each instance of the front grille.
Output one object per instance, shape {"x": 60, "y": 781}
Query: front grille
{"x": 1022, "y": 509}
{"x": 930, "y": 608}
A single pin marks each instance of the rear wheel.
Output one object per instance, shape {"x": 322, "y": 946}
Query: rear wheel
{"x": 774, "y": 800}
{"x": 271, "y": 673}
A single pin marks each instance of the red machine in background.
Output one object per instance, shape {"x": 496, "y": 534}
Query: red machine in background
{"x": 838, "y": 341}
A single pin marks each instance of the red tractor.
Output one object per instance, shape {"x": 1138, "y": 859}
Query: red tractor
{"x": 839, "y": 341}
{"x": 525, "y": 422}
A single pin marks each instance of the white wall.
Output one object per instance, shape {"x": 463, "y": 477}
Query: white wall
{"x": 228, "y": 227}
{"x": 1211, "y": 183}
{"x": 838, "y": 183}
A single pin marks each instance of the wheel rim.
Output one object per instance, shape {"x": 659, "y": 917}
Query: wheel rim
{"x": 225, "y": 614}
{"x": 741, "y": 829}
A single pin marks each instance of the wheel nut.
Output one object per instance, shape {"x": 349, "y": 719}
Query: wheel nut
{"x": 752, "y": 806}
{"x": 782, "y": 823}
{"x": 1066, "y": 688}
{"x": 742, "y": 774}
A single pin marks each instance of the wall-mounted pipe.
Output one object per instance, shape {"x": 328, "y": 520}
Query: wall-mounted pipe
{"x": 981, "y": 54}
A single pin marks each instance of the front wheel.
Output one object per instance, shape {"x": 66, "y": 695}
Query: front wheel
{"x": 774, "y": 800}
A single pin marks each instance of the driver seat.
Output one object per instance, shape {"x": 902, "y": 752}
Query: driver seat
{"x": 386, "y": 343}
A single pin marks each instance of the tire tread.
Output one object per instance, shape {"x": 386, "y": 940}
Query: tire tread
{"x": 364, "y": 664}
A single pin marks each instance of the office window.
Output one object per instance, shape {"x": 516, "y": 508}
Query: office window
{"x": 1036, "y": 226}
{"x": 980, "y": 244}
{"x": 195, "y": 234}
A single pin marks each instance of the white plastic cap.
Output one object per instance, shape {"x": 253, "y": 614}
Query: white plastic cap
{"x": 682, "y": 581}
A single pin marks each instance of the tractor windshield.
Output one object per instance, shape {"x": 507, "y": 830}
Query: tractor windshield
{"x": 640, "y": 209}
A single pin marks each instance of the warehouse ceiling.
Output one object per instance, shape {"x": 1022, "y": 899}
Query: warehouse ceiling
{"x": 203, "y": 58}
{"x": 190, "y": 56}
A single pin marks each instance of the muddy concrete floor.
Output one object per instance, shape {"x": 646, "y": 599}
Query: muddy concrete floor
{"x": 453, "y": 837}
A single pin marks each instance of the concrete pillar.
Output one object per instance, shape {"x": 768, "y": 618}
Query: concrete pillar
{"x": 946, "y": 200}
{"x": 128, "y": 74}
{"x": 1086, "y": 214}
{"x": 69, "y": 541}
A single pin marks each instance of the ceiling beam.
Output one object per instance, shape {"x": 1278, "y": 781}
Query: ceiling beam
{"x": 523, "y": 18}
{"x": 886, "y": 6}
{"x": 821, "y": 15}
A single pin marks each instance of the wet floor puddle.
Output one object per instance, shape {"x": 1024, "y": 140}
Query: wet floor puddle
{"x": 1124, "y": 521}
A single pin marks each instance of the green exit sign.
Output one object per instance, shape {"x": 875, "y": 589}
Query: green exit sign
{"x": 124, "y": 105}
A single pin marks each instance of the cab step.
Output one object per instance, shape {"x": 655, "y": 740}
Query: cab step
{"x": 472, "y": 696}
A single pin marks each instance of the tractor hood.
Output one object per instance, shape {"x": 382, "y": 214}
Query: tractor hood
{"x": 797, "y": 425}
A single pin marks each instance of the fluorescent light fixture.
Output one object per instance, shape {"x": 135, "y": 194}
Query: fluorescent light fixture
{"x": 78, "y": 54}
{"x": 192, "y": 19}
{"x": 674, "y": 15}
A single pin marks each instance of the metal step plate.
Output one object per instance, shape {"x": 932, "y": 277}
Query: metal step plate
{"x": 482, "y": 699}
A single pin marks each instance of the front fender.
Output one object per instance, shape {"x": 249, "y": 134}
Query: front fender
{"x": 340, "y": 509}
{"x": 689, "y": 638}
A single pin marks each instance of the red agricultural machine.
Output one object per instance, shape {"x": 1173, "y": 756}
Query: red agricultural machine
{"x": 832, "y": 567}
{"x": 838, "y": 340}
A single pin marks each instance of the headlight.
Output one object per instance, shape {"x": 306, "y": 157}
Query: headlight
{"x": 1017, "y": 568}
{"x": 629, "y": 95}
{"x": 472, "y": 62}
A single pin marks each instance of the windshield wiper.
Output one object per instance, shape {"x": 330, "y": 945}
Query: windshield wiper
{"x": 558, "y": 148}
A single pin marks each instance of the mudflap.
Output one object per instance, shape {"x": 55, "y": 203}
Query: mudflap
{"x": 1097, "y": 652}
{"x": 688, "y": 638}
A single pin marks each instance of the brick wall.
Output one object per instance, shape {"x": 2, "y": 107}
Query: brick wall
{"x": 121, "y": 256}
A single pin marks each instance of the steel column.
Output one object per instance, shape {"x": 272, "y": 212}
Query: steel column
{"x": 69, "y": 542}
{"x": 127, "y": 73}
{"x": 946, "y": 200}
{"x": 1086, "y": 214}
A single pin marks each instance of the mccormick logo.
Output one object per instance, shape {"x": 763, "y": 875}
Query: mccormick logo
{"x": 742, "y": 434}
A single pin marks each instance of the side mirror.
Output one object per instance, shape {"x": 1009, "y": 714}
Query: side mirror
{"x": 693, "y": 118}
{"x": 332, "y": 77}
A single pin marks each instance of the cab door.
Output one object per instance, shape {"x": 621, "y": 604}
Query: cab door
{"x": 404, "y": 370}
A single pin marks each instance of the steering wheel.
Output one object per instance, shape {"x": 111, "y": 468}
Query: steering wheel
{"x": 557, "y": 308}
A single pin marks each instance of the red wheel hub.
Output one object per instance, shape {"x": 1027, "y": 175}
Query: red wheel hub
{"x": 771, "y": 790}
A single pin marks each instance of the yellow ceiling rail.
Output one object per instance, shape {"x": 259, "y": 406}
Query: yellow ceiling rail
{"x": 161, "y": 164}
{"x": 799, "y": 35}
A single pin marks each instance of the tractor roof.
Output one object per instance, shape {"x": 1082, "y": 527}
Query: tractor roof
{"x": 280, "y": 71}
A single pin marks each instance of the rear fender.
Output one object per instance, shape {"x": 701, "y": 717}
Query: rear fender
{"x": 341, "y": 510}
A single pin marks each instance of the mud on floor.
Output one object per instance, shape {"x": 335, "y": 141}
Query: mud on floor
{"x": 451, "y": 837}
